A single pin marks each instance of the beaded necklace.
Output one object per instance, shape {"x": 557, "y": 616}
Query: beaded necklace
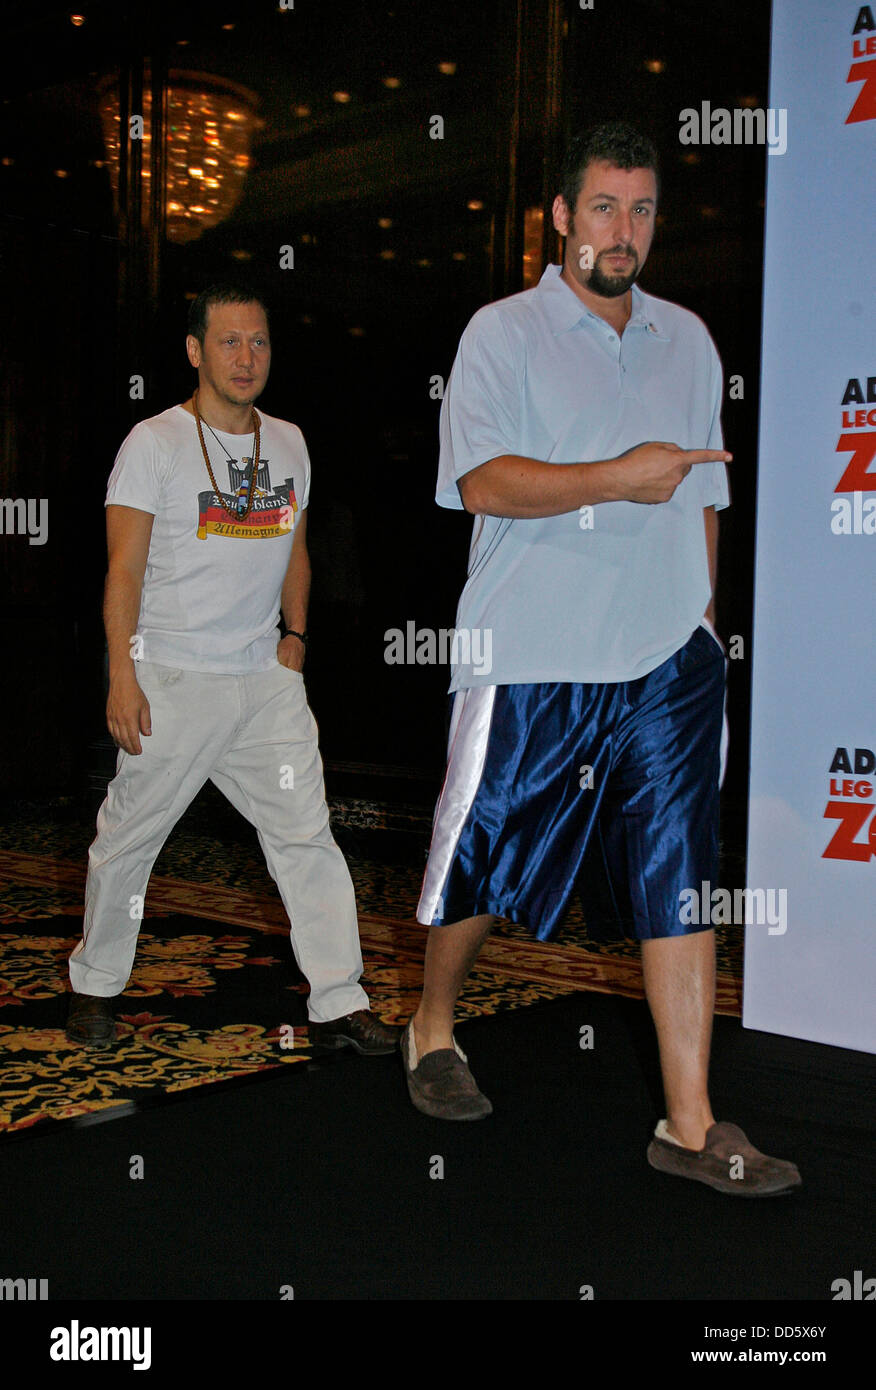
{"x": 244, "y": 504}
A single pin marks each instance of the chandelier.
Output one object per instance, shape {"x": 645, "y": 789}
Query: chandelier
{"x": 210, "y": 124}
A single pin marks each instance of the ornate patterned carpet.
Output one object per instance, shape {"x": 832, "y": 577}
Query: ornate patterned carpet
{"x": 215, "y": 994}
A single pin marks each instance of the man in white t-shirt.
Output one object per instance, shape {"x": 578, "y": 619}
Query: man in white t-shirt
{"x": 206, "y": 512}
{"x": 586, "y": 735}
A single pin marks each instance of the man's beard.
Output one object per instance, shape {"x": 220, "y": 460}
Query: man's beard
{"x": 612, "y": 286}
{"x": 249, "y": 399}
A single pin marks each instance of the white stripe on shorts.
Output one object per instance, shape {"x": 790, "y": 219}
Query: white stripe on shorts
{"x": 725, "y": 728}
{"x": 466, "y": 754}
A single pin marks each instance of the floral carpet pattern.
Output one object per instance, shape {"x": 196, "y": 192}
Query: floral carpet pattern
{"x": 215, "y": 994}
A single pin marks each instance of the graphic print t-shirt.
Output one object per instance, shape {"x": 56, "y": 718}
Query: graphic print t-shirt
{"x": 211, "y": 591}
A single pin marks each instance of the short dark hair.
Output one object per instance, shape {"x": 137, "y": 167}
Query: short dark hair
{"x": 224, "y": 292}
{"x": 615, "y": 141}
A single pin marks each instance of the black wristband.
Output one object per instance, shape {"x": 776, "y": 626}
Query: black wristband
{"x": 290, "y": 632}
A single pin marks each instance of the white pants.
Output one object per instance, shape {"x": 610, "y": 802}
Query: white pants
{"x": 255, "y": 738}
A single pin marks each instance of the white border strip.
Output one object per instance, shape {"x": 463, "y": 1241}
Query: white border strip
{"x": 466, "y": 755}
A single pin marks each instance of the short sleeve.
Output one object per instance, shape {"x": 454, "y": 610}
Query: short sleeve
{"x": 305, "y": 463}
{"x": 713, "y": 476}
{"x": 480, "y": 413}
{"x": 136, "y": 479}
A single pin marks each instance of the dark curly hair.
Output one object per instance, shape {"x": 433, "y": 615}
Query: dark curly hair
{"x": 615, "y": 141}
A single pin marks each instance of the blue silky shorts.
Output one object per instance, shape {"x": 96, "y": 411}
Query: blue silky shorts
{"x": 613, "y": 786}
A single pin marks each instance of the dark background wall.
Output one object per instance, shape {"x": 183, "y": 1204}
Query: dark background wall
{"x": 397, "y": 239}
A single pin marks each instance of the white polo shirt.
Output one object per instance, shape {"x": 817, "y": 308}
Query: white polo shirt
{"x": 601, "y": 595}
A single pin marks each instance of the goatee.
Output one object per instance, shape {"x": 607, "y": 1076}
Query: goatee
{"x": 611, "y": 286}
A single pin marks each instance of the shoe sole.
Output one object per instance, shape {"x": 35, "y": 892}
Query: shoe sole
{"x": 80, "y": 1041}
{"x": 337, "y": 1043}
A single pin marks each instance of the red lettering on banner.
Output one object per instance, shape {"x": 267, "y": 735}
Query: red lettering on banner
{"x": 863, "y": 448}
{"x": 864, "y": 108}
{"x": 852, "y": 816}
{"x": 848, "y": 787}
{"x": 861, "y": 47}
{"x": 859, "y": 419}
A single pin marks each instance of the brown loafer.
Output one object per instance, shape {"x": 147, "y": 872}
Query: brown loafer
{"x": 361, "y": 1030}
{"x": 441, "y": 1084}
{"x": 90, "y": 1021}
{"x": 727, "y": 1162}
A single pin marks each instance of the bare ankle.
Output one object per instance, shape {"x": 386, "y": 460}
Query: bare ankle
{"x": 431, "y": 1035}
{"x": 690, "y": 1131}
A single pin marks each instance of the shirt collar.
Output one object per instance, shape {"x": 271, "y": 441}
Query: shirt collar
{"x": 565, "y": 310}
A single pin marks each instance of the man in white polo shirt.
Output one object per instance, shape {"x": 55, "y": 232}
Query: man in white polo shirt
{"x": 206, "y": 513}
{"x": 581, "y": 427}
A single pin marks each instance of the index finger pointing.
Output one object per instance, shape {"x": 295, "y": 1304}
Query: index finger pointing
{"x": 707, "y": 456}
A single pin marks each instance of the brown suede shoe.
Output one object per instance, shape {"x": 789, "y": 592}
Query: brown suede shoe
{"x": 441, "y": 1085}
{"x": 727, "y": 1162}
{"x": 90, "y": 1021}
{"x": 361, "y": 1030}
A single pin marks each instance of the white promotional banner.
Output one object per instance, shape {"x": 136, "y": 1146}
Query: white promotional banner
{"x": 810, "y": 963}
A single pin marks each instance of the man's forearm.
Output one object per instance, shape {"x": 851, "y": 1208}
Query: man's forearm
{"x": 121, "y": 611}
{"x": 514, "y": 486}
{"x": 295, "y": 595}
